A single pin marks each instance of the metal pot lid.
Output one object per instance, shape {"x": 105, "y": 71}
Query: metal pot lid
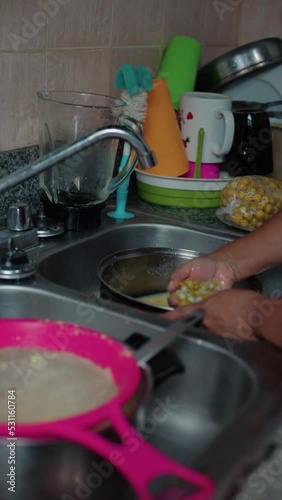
{"x": 241, "y": 61}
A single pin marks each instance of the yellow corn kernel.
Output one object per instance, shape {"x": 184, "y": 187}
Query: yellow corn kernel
{"x": 249, "y": 197}
{"x": 248, "y": 216}
{"x": 260, "y": 215}
{"x": 244, "y": 223}
{"x": 268, "y": 208}
{"x": 261, "y": 205}
{"x": 265, "y": 200}
{"x": 242, "y": 182}
{"x": 240, "y": 195}
{"x": 272, "y": 200}
{"x": 258, "y": 197}
{"x": 192, "y": 291}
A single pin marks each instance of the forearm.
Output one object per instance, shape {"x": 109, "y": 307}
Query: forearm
{"x": 255, "y": 251}
{"x": 269, "y": 317}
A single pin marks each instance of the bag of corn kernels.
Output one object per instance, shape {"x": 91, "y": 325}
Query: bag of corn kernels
{"x": 250, "y": 200}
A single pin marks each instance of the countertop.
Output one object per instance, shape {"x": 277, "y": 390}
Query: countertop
{"x": 201, "y": 215}
{"x": 265, "y": 482}
{"x": 29, "y": 192}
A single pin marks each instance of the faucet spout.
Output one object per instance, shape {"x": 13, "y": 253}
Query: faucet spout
{"x": 145, "y": 155}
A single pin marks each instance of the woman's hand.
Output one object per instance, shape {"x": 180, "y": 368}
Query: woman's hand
{"x": 203, "y": 268}
{"x": 229, "y": 313}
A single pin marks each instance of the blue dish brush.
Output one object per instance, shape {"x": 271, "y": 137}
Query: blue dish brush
{"x": 136, "y": 82}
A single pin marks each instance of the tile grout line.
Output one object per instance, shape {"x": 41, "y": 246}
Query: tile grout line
{"x": 163, "y": 22}
{"x": 161, "y": 46}
{"x": 78, "y": 49}
{"x": 204, "y": 20}
{"x": 239, "y": 21}
{"x": 112, "y": 23}
{"x": 111, "y": 42}
{"x": 45, "y": 54}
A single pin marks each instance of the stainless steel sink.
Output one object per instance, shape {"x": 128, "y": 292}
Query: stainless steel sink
{"x": 197, "y": 411}
{"x": 219, "y": 413}
{"x": 75, "y": 267}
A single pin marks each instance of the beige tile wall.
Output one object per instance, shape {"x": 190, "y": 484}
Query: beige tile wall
{"x": 79, "y": 44}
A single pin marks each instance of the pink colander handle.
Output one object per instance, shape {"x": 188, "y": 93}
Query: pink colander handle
{"x": 137, "y": 460}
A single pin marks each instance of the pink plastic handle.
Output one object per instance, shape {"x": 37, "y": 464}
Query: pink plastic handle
{"x": 141, "y": 468}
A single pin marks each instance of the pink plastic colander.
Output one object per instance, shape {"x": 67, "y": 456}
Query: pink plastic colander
{"x": 140, "y": 464}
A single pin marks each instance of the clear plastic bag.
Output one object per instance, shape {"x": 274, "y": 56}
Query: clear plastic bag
{"x": 250, "y": 200}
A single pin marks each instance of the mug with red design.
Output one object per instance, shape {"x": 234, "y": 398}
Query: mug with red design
{"x": 212, "y": 112}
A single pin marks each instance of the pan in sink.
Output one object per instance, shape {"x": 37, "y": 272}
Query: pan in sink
{"x": 141, "y": 275}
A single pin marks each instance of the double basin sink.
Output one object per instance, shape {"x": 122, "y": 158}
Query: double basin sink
{"x": 223, "y": 398}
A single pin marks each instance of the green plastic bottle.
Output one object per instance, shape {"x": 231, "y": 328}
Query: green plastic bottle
{"x": 179, "y": 66}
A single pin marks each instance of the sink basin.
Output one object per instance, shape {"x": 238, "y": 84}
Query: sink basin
{"x": 187, "y": 415}
{"x": 76, "y": 266}
{"x": 193, "y": 412}
{"x": 183, "y": 416}
{"x": 227, "y": 398}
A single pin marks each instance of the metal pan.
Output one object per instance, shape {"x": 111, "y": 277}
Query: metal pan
{"x": 141, "y": 276}
{"x": 273, "y": 109}
{"x": 242, "y": 61}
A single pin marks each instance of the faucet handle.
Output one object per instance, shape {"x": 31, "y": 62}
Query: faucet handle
{"x": 19, "y": 217}
{"x": 15, "y": 265}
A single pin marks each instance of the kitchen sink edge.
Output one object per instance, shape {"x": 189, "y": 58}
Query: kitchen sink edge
{"x": 255, "y": 423}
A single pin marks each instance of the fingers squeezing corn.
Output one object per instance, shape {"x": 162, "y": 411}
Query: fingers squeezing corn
{"x": 193, "y": 291}
{"x": 250, "y": 200}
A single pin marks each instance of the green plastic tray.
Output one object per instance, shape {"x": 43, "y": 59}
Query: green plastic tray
{"x": 177, "y": 197}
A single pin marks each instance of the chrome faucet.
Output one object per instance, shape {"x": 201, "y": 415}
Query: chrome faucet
{"x": 145, "y": 155}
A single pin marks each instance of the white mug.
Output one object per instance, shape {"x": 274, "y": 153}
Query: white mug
{"x": 212, "y": 112}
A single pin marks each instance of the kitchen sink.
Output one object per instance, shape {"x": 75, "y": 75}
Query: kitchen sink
{"x": 196, "y": 411}
{"x": 76, "y": 266}
{"x": 220, "y": 404}
{"x": 204, "y": 411}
